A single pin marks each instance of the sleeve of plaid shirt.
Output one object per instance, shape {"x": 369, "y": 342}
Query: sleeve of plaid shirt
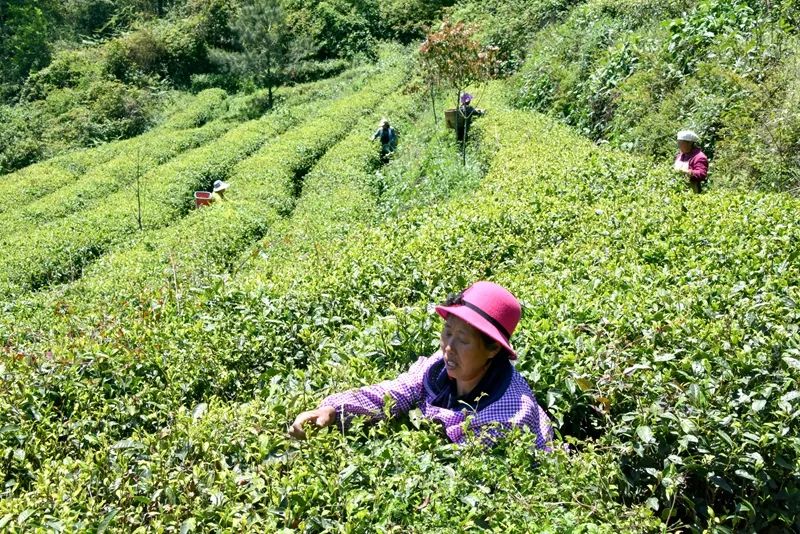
{"x": 406, "y": 390}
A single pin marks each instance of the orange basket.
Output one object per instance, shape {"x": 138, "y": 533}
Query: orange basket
{"x": 202, "y": 198}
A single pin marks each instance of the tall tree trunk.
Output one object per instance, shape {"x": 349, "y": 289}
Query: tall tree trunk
{"x": 462, "y": 117}
{"x": 269, "y": 81}
{"x": 464, "y": 144}
{"x": 433, "y": 106}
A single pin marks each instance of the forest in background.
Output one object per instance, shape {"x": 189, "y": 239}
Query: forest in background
{"x": 84, "y": 72}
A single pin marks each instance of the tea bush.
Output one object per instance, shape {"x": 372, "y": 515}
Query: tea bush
{"x": 240, "y": 219}
{"x": 660, "y": 328}
{"x": 591, "y": 325}
{"x": 152, "y": 149}
{"x": 206, "y": 106}
{"x": 264, "y": 187}
{"x": 303, "y": 508}
{"x": 146, "y": 153}
{"x": 46, "y": 256}
{"x": 35, "y": 181}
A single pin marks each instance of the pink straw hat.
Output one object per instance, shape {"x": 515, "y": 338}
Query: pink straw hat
{"x": 490, "y": 308}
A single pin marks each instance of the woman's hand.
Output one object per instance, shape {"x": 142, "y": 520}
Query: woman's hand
{"x": 322, "y": 417}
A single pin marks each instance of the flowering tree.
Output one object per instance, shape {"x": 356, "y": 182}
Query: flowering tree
{"x": 453, "y": 57}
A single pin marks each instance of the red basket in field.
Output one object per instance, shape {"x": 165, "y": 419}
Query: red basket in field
{"x": 202, "y": 198}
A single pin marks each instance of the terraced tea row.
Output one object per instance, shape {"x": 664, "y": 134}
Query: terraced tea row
{"x": 59, "y": 253}
{"x": 343, "y": 114}
{"x": 282, "y": 331}
{"x": 42, "y": 178}
{"x": 101, "y": 180}
{"x": 265, "y": 186}
{"x": 623, "y": 296}
{"x": 33, "y": 182}
{"x": 122, "y": 171}
{"x": 660, "y": 328}
{"x": 207, "y": 106}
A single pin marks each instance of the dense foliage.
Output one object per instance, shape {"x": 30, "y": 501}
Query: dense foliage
{"x": 85, "y": 72}
{"x": 150, "y": 364}
{"x": 266, "y": 47}
{"x": 632, "y": 73}
{"x": 660, "y": 328}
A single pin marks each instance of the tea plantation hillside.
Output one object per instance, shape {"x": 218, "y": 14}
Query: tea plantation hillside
{"x": 149, "y": 371}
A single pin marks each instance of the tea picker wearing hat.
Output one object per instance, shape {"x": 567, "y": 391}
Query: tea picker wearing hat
{"x": 464, "y": 116}
{"x": 219, "y": 190}
{"x": 691, "y": 161}
{"x": 471, "y": 375}
{"x": 388, "y": 138}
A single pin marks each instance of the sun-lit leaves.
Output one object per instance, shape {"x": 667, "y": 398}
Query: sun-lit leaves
{"x": 659, "y": 328}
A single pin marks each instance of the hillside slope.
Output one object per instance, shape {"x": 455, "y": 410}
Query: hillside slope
{"x": 634, "y": 72}
{"x": 153, "y": 390}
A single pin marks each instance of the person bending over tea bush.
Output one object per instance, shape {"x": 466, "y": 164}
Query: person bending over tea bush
{"x": 219, "y": 191}
{"x": 691, "y": 161}
{"x": 469, "y": 379}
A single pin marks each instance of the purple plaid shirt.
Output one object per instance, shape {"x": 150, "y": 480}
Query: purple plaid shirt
{"x": 516, "y": 407}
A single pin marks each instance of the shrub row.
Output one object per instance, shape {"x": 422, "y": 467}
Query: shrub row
{"x": 152, "y": 149}
{"x": 264, "y": 187}
{"x": 58, "y": 252}
{"x": 424, "y": 171}
{"x": 269, "y": 170}
{"x": 101, "y": 180}
{"x": 47, "y": 255}
{"x": 406, "y": 479}
{"x": 230, "y": 467}
{"x": 659, "y": 327}
{"x": 205, "y": 107}
{"x": 39, "y": 179}
{"x": 662, "y": 326}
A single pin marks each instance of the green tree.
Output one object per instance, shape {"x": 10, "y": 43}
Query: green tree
{"x": 336, "y": 28}
{"x": 25, "y": 31}
{"x": 264, "y": 47}
{"x": 407, "y": 20}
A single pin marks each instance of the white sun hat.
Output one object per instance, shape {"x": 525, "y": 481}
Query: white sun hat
{"x": 688, "y": 135}
{"x": 219, "y": 185}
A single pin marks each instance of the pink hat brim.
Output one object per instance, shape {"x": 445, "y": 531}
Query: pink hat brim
{"x": 474, "y": 319}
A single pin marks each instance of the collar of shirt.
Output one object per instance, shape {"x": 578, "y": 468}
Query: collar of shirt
{"x": 441, "y": 389}
{"x": 689, "y": 155}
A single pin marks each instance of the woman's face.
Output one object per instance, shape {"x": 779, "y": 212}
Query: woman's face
{"x": 685, "y": 146}
{"x": 465, "y": 354}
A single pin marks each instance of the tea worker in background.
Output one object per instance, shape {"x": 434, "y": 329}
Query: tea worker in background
{"x": 469, "y": 379}
{"x": 464, "y": 117}
{"x": 388, "y": 138}
{"x": 691, "y": 161}
{"x": 219, "y": 191}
